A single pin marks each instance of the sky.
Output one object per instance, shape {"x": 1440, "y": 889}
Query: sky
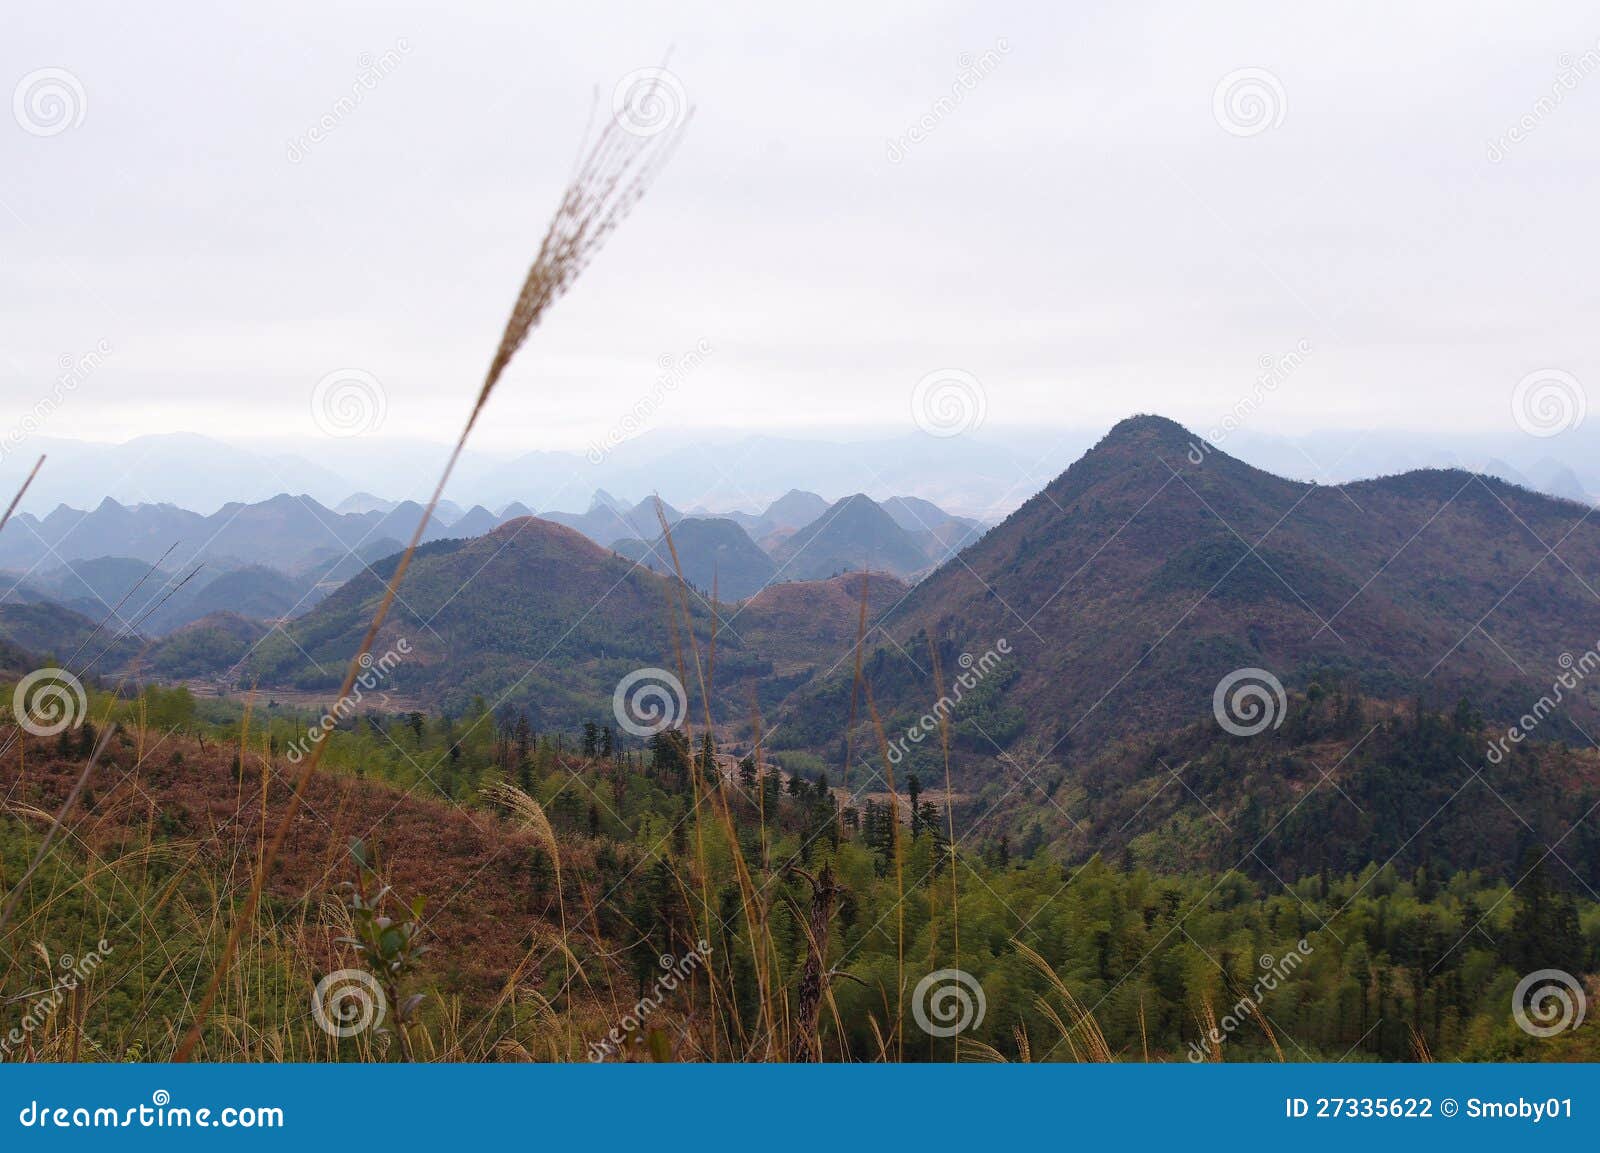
{"x": 1046, "y": 215}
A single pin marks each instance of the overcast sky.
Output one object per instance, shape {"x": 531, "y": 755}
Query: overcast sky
{"x": 1093, "y": 228}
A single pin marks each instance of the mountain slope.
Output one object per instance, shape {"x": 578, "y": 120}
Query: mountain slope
{"x": 1138, "y": 579}
{"x": 792, "y": 510}
{"x": 609, "y": 520}
{"x": 853, "y": 535}
{"x": 710, "y": 549}
{"x": 536, "y": 616}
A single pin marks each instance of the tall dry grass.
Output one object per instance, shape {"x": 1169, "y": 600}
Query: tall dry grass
{"x": 609, "y": 181}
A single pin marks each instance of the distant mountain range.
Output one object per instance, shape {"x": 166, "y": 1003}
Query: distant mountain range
{"x": 536, "y": 614}
{"x": 281, "y": 556}
{"x": 985, "y": 474}
{"x": 1124, "y": 593}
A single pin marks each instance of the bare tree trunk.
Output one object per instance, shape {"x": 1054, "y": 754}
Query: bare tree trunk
{"x": 814, "y": 974}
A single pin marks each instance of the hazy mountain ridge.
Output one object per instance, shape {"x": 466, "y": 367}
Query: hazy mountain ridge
{"x": 537, "y": 614}
{"x": 1138, "y": 579}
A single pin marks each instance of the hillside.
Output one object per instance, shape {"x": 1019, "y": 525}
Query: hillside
{"x": 536, "y": 616}
{"x": 1341, "y": 783}
{"x": 709, "y": 548}
{"x": 1139, "y": 578}
{"x": 790, "y": 511}
{"x": 853, "y": 535}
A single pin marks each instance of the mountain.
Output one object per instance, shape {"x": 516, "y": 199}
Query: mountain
{"x": 940, "y": 534}
{"x": 1340, "y": 785}
{"x": 608, "y": 520}
{"x": 286, "y": 532}
{"x": 361, "y": 502}
{"x": 806, "y": 627}
{"x": 1139, "y": 579}
{"x": 54, "y": 633}
{"x": 535, "y": 615}
{"x": 852, "y": 535}
{"x": 153, "y": 602}
{"x": 476, "y": 521}
{"x": 258, "y": 592}
{"x": 709, "y": 549}
{"x": 207, "y": 647}
{"x": 790, "y": 511}
{"x": 914, "y": 514}
{"x": 1559, "y": 480}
